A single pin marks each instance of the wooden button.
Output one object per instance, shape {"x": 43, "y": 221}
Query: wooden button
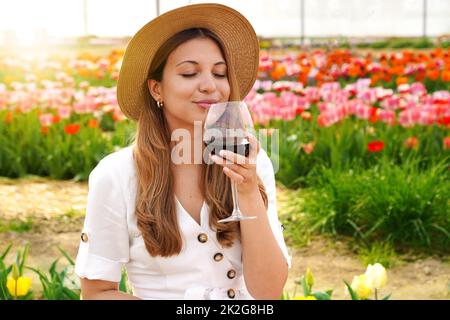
{"x": 218, "y": 257}
{"x": 231, "y": 293}
{"x": 231, "y": 274}
{"x": 84, "y": 237}
{"x": 202, "y": 237}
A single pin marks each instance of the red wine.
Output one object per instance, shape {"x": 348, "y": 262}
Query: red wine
{"x": 234, "y": 144}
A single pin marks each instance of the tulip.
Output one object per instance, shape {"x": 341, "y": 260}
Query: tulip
{"x": 446, "y": 143}
{"x": 72, "y": 129}
{"x": 9, "y": 117}
{"x": 309, "y": 277}
{"x": 308, "y": 147}
{"x": 411, "y": 143}
{"x": 93, "y": 123}
{"x": 46, "y": 119}
{"x": 376, "y": 275}
{"x": 64, "y": 112}
{"x": 19, "y": 287}
{"x": 304, "y": 298}
{"x": 375, "y": 146}
{"x": 44, "y": 130}
{"x": 306, "y": 116}
{"x": 362, "y": 286}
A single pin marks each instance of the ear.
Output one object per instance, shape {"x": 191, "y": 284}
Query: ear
{"x": 155, "y": 89}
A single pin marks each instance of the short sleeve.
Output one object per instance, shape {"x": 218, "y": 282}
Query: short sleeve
{"x": 104, "y": 243}
{"x": 265, "y": 171}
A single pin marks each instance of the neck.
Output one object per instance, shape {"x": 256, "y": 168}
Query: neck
{"x": 187, "y": 145}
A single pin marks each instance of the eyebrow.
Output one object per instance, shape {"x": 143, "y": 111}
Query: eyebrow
{"x": 195, "y": 62}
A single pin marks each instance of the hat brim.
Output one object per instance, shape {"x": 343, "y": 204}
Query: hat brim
{"x": 237, "y": 34}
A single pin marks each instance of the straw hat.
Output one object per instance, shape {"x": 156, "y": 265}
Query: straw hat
{"x": 237, "y": 34}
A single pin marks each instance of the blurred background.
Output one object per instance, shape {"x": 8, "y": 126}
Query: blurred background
{"x": 357, "y": 92}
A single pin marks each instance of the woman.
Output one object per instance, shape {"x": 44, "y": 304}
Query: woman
{"x": 157, "y": 217}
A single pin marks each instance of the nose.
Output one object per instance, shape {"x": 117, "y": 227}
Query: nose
{"x": 207, "y": 83}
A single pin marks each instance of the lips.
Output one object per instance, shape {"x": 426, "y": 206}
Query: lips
{"x": 205, "y": 103}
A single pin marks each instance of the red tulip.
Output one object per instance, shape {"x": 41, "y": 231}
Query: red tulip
{"x": 93, "y": 123}
{"x": 445, "y": 121}
{"x": 373, "y": 114}
{"x": 9, "y": 117}
{"x": 411, "y": 143}
{"x": 446, "y": 143}
{"x": 56, "y": 119}
{"x": 306, "y": 116}
{"x": 44, "y": 130}
{"x": 375, "y": 146}
{"x": 72, "y": 128}
{"x": 308, "y": 147}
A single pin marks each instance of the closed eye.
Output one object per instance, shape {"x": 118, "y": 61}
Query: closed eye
{"x": 193, "y": 74}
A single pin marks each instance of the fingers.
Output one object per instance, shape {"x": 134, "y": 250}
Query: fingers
{"x": 254, "y": 146}
{"x": 233, "y": 157}
{"x": 241, "y": 160}
{"x": 224, "y": 162}
{"x": 235, "y": 177}
{"x": 236, "y": 166}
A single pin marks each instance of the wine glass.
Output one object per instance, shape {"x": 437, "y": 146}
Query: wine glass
{"x": 226, "y": 127}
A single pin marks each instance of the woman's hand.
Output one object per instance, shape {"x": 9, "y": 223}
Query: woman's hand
{"x": 240, "y": 169}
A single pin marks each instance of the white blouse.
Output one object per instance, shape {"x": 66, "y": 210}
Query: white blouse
{"x": 111, "y": 240}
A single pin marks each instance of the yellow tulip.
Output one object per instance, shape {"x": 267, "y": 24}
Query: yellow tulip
{"x": 377, "y": 275}
{"x": 19, "y": 287}
{"x": 362, "y": 286}
{"x": 15, "y": 272}
{"x": 304, "y": 298}
{"x": 309, "y": 277}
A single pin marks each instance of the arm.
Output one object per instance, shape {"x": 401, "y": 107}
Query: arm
{"x": 105, "y": 249}
{"x": 265, "y": 266}
{"x": 103, "y": 290}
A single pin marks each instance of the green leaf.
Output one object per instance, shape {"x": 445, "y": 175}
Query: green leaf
{"x": 123, "y": 282}
{"x": 5, "y": 252}
{"x": 24, "y": 258}
{"x": 387, "y": 297}
{"x": 53, "y": 268}
{"x": 285, "y": 296}
{"x": 321, "y": 296}
{"x": 42, "y": 276}
{"x": 306, "y": 289}
{"x": 71, "y": 294}
{"x": 66, "y": 255}
{"x": 353, "y": 294}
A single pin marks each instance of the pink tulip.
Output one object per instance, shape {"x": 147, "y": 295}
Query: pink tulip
{"x": 64, "y": 112}
{"x": 387, "y": 116}
{"x": 308, "y": 147}
{"x": 46, "y": 119}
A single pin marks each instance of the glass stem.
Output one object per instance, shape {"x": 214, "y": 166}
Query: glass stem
{"x": 235, "y": 198}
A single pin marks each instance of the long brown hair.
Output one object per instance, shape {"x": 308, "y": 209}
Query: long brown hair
{"x": 155, "y": 200}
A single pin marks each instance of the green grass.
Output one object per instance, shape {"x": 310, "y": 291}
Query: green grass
{"x": 16, "y": 225}
{"x": 401, "y": 205}
{"x": 378, "y": 252}
{"x": 292, "y": 216}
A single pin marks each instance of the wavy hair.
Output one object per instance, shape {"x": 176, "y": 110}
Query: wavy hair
{"x": 155, "y": 198}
